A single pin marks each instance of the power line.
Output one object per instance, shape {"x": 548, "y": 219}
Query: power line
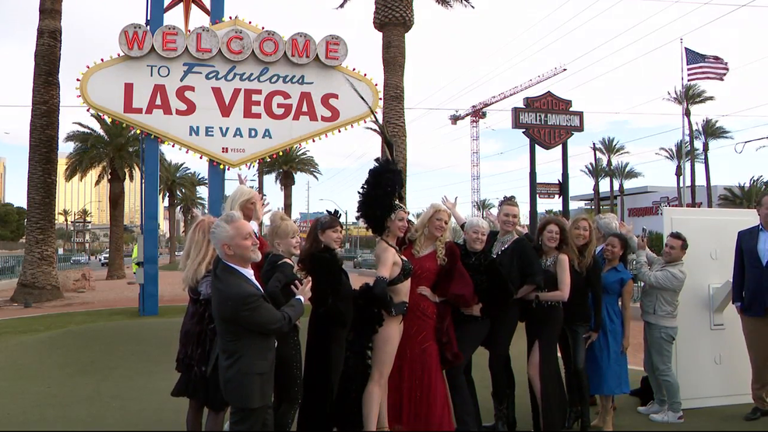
{"x": 477, "y": 83}
{"x": 584, "y": 154}
{"x": 701, "y": 3}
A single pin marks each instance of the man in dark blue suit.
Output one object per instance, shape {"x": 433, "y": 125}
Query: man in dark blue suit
{"x": 750, "y": 297}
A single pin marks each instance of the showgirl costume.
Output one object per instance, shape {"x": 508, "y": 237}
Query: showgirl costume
{"x": 379, "y": 201}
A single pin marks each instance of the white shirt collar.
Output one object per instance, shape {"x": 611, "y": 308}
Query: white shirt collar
{"x": 599, "y": 248}
{"x": 248, "y": 272}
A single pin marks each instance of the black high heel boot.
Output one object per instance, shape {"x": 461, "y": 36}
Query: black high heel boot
{"x": 499, "y": 414}
{"x": 584, "y": 420}
{"x": 574, "y": 415}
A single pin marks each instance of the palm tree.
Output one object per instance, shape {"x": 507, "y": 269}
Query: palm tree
{"x": 597, "y": 174}
{"x": 191, "y": 200}
{"x": 687, "y": 97}
{"x": 706, "y": 132}
{"x": 84, "y": 216}
{"x": 744, "y": 195}
{"x": 285, "y": 166}
{"x": 611, "y": 149}
{"x": 623, "y": 173}
{"x": 113, "y": 152}
{"x": 394, "y": 18}
{"x": 172, "y": 178}
{"x": 66, "y": 214}
{"x": 39, "y": 280}
{"x": 484, "y": 205}
{"x": 675, "y": 155}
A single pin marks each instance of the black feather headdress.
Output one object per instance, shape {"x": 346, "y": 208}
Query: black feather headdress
{"x": 380, "y": 129}
{"x": 382, "y": 192}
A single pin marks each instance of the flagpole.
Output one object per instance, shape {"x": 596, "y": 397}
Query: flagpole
{"x": 682, "y": 93}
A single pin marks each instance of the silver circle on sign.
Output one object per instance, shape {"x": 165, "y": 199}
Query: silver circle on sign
{"x": 301, "y": 48}
{"x": 236, "y": 44}
{"x": 332, "y": 50}
{"x": 268, "y": 46}
{"x": 135, "y": 40}
{"x": 203, "y": 43}
{"x": 169, "y": 41}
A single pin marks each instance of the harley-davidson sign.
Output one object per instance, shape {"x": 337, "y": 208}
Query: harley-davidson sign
{"x": 548, "y": 120}
{"x": 232, "y": 92}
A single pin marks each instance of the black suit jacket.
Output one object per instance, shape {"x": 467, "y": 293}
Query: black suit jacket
{"x": 750, "y": 275}
{"x": 247, "y": 324}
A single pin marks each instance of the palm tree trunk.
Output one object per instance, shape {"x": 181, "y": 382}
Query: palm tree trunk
{"x": 393, "y": 58}
{"x": 610, "y": 184}
{"x": 707, "y": 177}
{"x": 678, "y": 176}
{"x": 172, "y": 228}
{"x": 596, "y": 203}
{"x": 693, "y": 159}
{"x": 116, "y": 268}
{"x": 621, "y": 200}
{"x": 39, "y": 280}
{"x": 287, "y": 200}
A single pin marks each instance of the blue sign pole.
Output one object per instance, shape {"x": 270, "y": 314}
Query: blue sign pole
{"x": 215, "y": 173}
{"x": 149, "y": 299}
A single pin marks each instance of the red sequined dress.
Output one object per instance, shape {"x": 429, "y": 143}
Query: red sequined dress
{"x": 418, "y": 395}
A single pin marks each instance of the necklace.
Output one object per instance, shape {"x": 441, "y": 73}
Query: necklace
{"x": 389, "y": 244}
{"x": 502, "y": 243}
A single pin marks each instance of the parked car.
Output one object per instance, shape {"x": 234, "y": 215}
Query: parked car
{"x": 104, "y": 258}
{"x": 79, "y": 259}
{"x": 364, "y": 262}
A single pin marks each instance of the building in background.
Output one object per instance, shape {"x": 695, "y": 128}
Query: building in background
{"x": 77, "y": 194}
{"x": 643, "y": 204}
{"x": 2, "y": 180}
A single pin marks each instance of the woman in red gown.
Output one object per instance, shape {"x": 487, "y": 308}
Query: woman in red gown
{"x": 418, "y": 396}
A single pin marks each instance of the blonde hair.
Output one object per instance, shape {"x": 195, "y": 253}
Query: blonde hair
{"x": 281, "y": 227}
{"x": 239, "y": 197}
{"x": 198, "y": 252}
{"x": 419, "y": 232}
{"x": 583, "y": 256}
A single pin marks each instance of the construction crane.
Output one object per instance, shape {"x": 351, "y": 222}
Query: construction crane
{"x": 477, "y": 112}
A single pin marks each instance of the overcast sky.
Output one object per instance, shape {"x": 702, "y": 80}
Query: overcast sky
{"x": 622, "y": 57}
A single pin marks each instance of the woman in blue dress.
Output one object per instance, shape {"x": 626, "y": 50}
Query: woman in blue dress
{"x": 607, "y": 366}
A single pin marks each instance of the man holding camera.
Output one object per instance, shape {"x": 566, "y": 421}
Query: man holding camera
{"x": 663, "y": 279}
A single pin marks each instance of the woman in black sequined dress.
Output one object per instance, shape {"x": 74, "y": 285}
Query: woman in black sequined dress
{"x": 544, "y": 322}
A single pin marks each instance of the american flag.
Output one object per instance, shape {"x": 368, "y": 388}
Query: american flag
{"x": 704, "y": 67}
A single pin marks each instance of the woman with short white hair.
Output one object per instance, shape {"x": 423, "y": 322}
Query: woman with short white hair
{"x": 472, "y": 325}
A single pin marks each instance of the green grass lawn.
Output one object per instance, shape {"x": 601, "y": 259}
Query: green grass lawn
{"x": 170, "y": 267}
{"x": 114, "y": 370}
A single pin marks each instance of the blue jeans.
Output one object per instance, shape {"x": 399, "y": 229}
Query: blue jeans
{"x": 659, "y": 342}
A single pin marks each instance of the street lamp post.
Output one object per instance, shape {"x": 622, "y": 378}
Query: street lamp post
{"x": 346, "y": 221}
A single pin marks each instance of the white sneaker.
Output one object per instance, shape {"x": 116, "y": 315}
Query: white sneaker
{"x": 668, "y": 417}
{"x": 651, "y": 408}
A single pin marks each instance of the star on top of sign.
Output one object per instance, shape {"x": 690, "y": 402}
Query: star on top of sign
{"x": 188, "y": 9}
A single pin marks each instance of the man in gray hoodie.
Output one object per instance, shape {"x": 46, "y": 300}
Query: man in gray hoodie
{"x": 663, "y": 279}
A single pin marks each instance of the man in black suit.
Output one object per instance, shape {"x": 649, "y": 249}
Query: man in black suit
{"x": 246, "y": 324}
{"x": 750, "y": 297}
